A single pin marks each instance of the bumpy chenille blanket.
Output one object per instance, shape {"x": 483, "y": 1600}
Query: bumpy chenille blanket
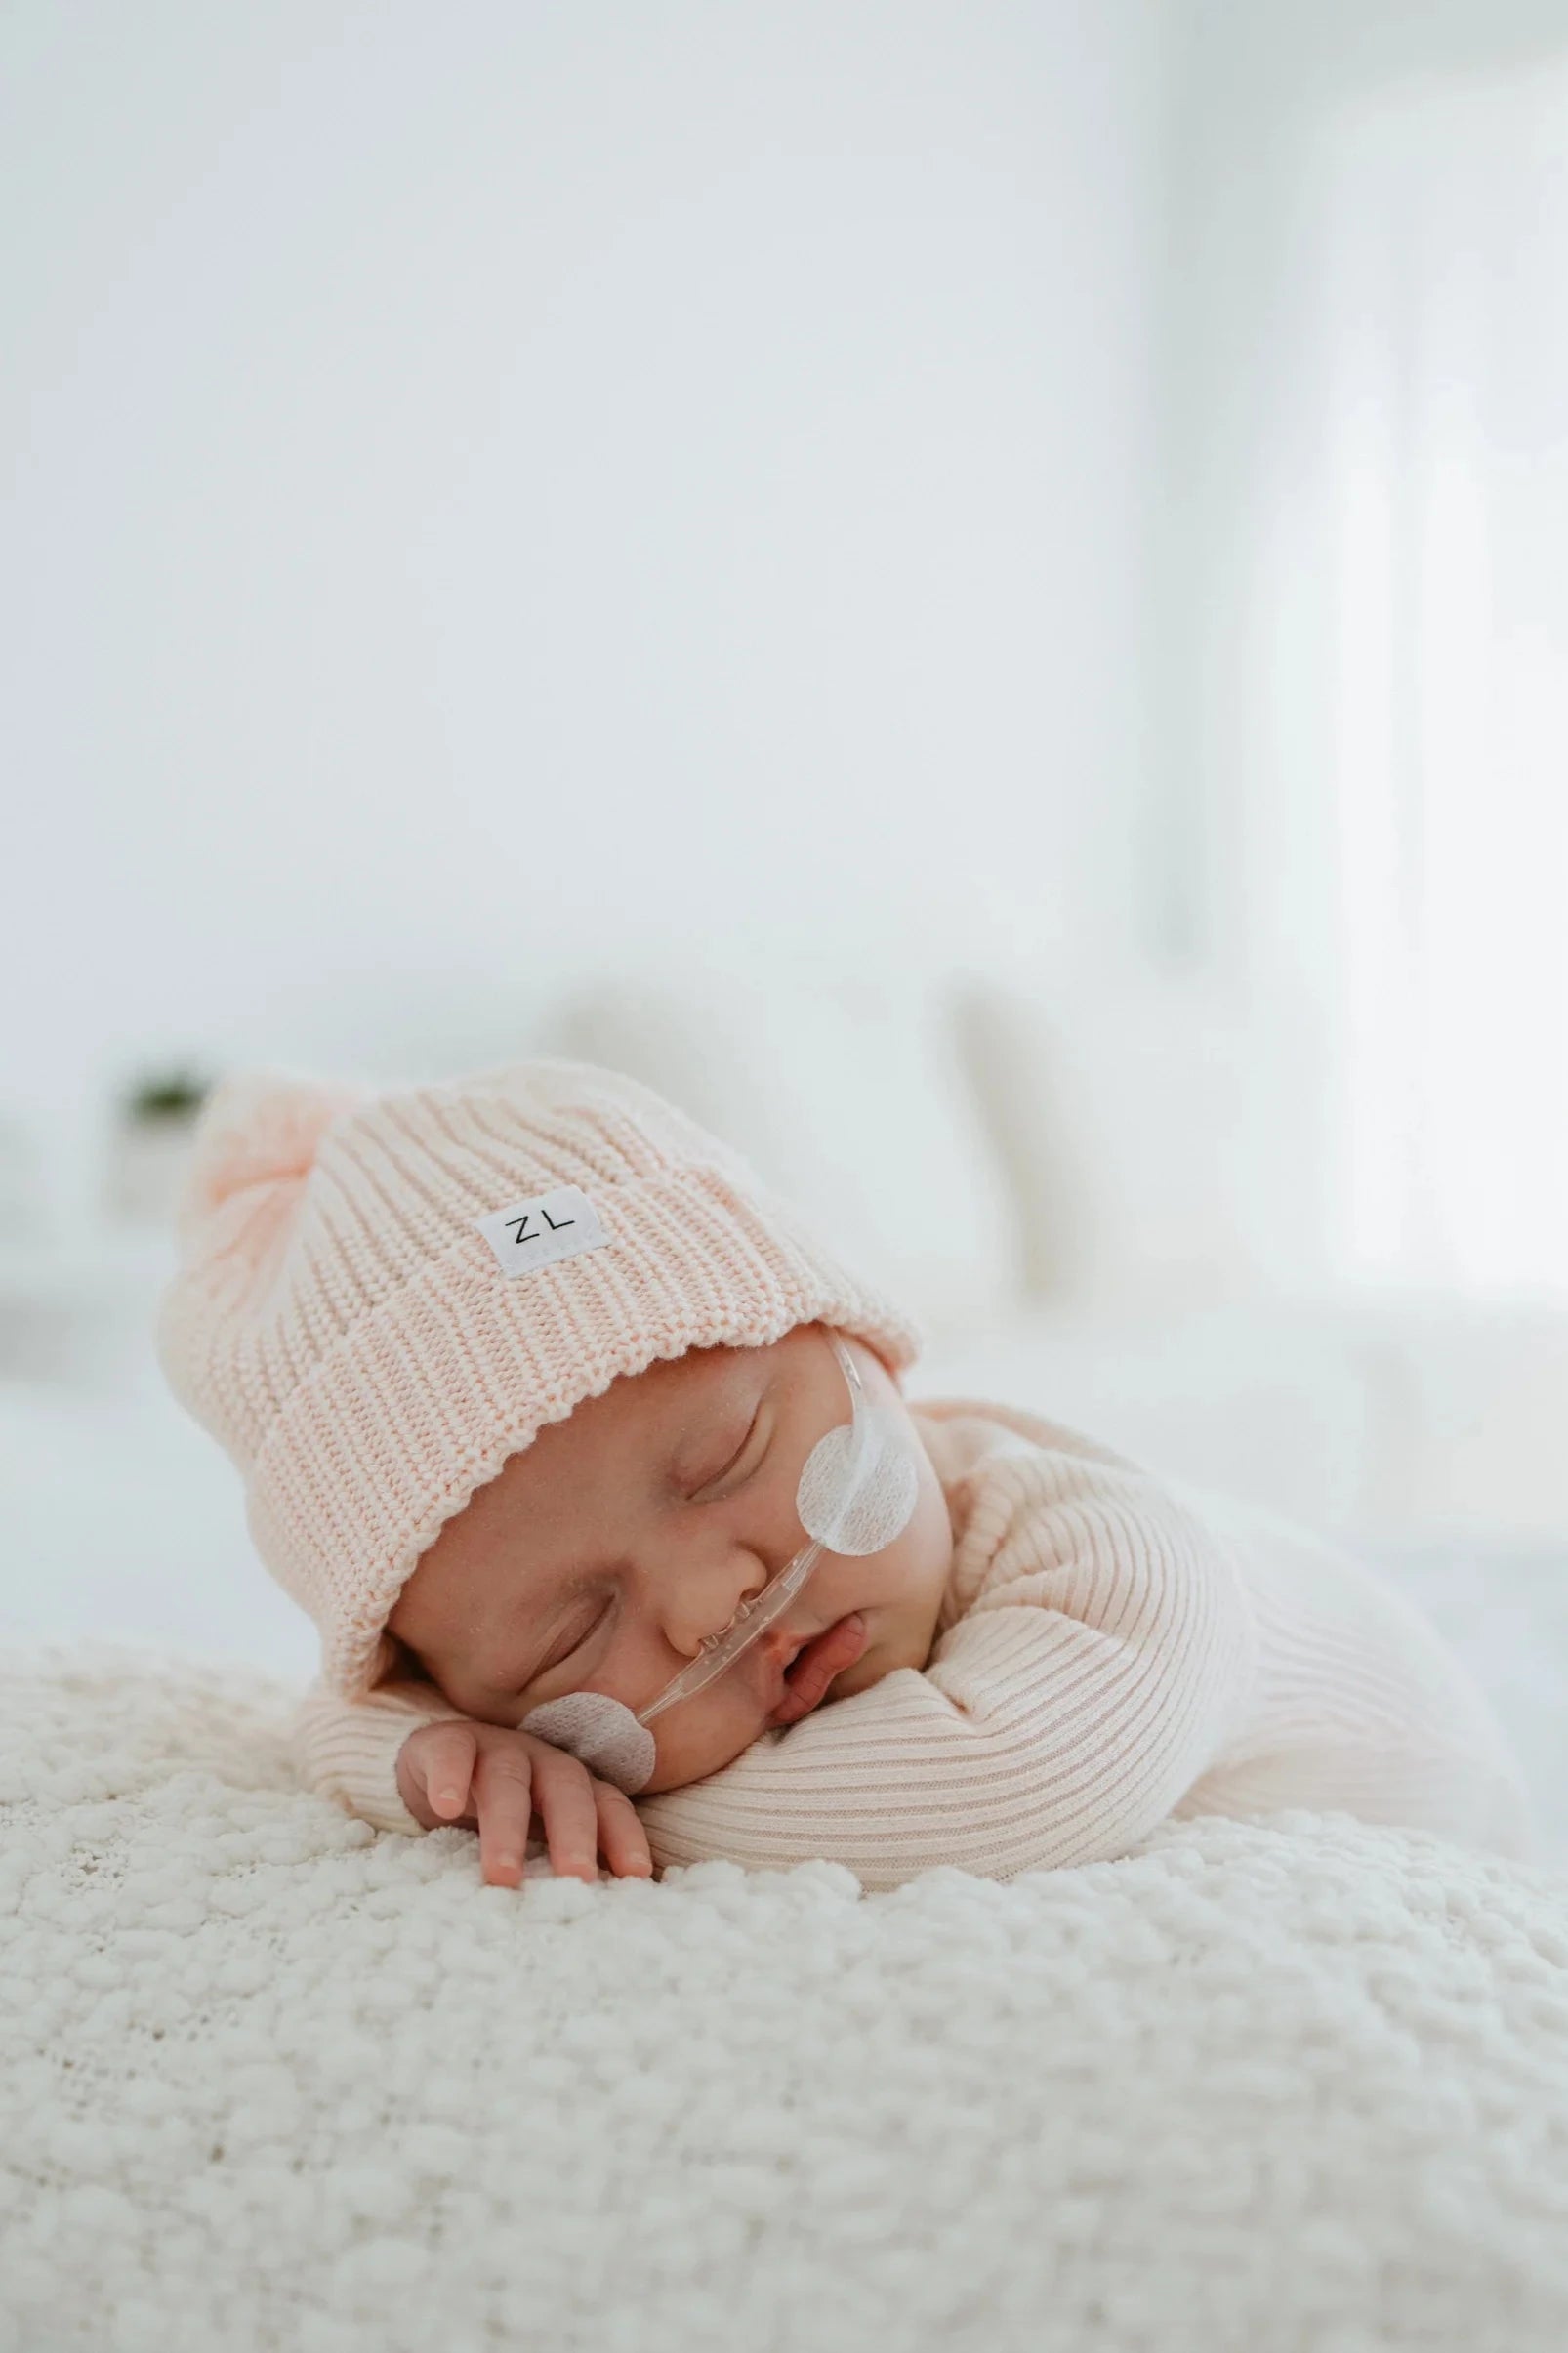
{"x": 269, "y": 2079}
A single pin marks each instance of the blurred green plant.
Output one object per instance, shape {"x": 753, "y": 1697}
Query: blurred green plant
{"x": 165, "y": 1094}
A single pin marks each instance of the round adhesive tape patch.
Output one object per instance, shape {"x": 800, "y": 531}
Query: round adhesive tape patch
{"x": 866, "y": 1520}
{"x": 601, "y": 1733}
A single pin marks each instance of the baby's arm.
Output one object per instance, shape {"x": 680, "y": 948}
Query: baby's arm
{"x": 1101, "y": 1666}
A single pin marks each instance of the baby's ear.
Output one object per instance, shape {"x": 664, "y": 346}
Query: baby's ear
{"x": 257, "y": 1128}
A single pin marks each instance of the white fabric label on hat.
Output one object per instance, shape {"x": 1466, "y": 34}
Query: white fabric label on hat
{"x": 531, "y": 1234}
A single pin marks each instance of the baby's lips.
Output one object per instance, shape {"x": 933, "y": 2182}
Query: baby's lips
{"x": 817, "y": 1665}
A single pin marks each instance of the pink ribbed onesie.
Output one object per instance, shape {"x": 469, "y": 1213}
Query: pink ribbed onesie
{"x": 1114, "y": 1649}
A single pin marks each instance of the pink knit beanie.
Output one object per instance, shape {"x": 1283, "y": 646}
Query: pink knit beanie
{"x": 381, "y": 1297}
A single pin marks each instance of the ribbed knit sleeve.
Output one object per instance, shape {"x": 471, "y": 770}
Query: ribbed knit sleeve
{"x": 347, "y": 1749}
{"x": 1105, "y": 1653}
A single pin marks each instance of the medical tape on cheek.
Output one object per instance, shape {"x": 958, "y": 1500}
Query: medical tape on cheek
{"x": 601, "y": 1733}
{"x": 856, "y": 1511}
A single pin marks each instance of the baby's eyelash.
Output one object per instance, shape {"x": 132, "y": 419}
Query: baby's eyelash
{"x": 720, "y": 1476}
{"x": 572, "y": 1647}
{"x": 740, "y": 1451}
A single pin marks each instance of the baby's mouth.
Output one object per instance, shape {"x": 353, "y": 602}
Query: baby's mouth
{"x": 805, "y": 1683}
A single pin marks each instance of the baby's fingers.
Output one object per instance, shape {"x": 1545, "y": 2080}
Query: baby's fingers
{"x": 438, "y": 1762}
{"x": 503, "y": 1789}
{"x": 563, "y": 1794}
{"x": 448, "y": 1766}
{"x": 621, "y": 1833}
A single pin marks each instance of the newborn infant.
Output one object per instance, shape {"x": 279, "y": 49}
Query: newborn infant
{"x": 603, "y": 1557}
{"x": 1057, "y": 1651}
{"x": 595, "y": 1468}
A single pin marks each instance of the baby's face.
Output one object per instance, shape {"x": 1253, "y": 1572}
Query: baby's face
{"x": 601, "y": 1556}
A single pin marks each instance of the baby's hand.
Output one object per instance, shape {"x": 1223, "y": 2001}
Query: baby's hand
{"x": 489, "y": 1778}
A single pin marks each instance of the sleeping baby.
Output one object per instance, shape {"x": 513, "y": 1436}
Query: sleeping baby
{"x": 595, "y": 1468}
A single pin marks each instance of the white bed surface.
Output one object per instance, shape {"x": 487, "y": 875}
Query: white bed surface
{"x": 267, "y": 2078}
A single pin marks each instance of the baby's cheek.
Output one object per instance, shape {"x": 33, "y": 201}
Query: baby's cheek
{"x": 904, "y": 1632}
{"x": 712, "y": 1736}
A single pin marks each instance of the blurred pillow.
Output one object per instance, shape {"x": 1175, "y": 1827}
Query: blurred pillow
{"x": 847, "y": 1097}
{"x": 1157, "y": 1140}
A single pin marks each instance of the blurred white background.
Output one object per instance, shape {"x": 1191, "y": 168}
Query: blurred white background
{"x": 974, "y": 591}
{"x": 500, "y": 487}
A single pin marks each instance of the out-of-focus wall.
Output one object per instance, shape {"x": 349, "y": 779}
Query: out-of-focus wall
{"x": 1258, "y": 880}
{"x": 1243, "y": 867}
{"x": 493, "y": 487}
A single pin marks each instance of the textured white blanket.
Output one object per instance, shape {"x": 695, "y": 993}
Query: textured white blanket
{"x": 271, "y": 2080}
